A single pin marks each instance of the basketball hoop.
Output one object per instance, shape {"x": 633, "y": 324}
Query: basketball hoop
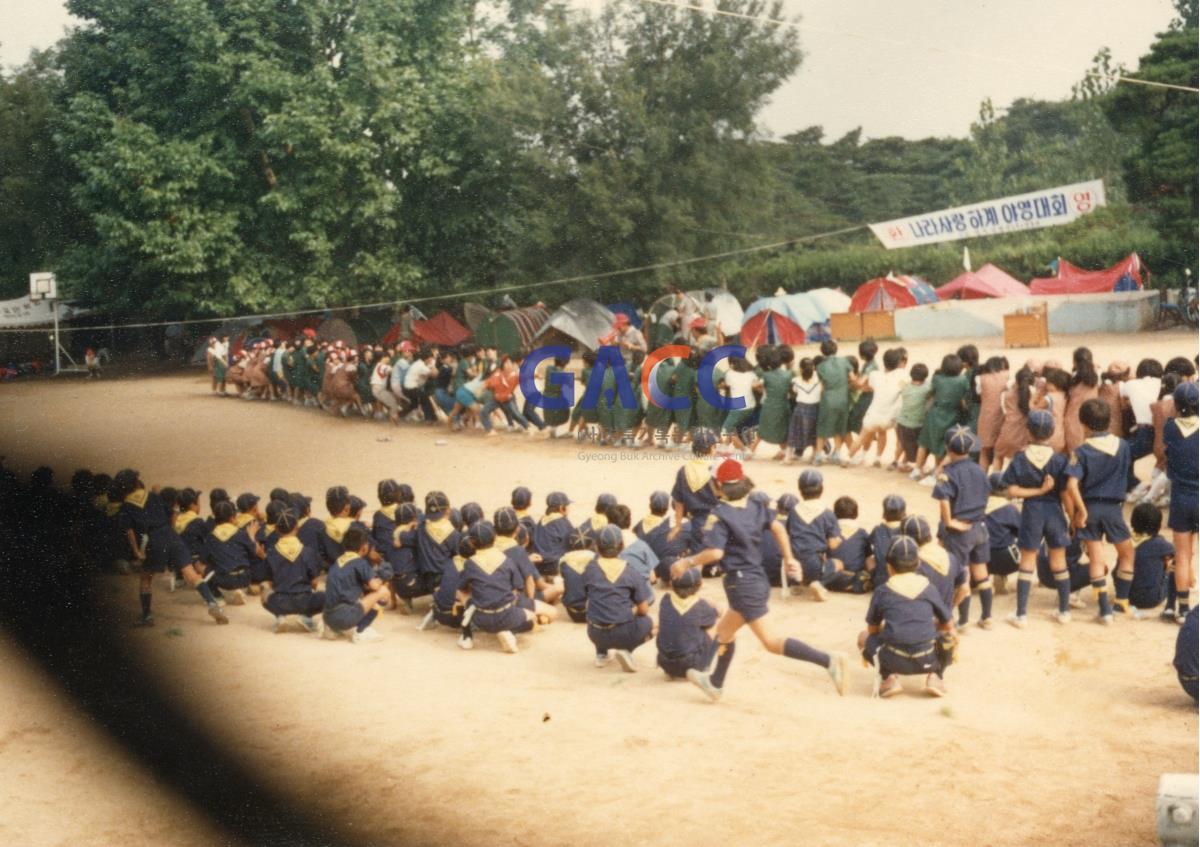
{"x": 43, "y": 286}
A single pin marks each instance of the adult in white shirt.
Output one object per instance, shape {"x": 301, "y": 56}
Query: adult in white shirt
{"x": 1139, "y": 393}
{"x": 415, "y": 377}
{"x": 379, "y": 387}
{"x": 885, "y": 405}
{"x": 741, "y": 381}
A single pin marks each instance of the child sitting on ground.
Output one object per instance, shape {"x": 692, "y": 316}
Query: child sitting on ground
{"x": 685, "y": 627}
{"x": 1153, "y": 562}
{"x": 853, "y": 550}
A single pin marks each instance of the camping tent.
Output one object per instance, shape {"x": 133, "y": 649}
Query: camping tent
{"x": 512, "y": 331}
{"x": 370, "y": 327}
{"x": 580, "y": 321}
{"x": 1125, "y": 275}
{"x": 781, "y": 319}
{"x": 336, "y": 329}
{"x": 831, "y": 301}
{"x": 628, "y": 310}
{"x": 729, "y": 314}
{"x": 988, "y": 281}
{"x": 886, "y": 293}
{"x": 475, "y": 314}
{"x": 442, "y": 329}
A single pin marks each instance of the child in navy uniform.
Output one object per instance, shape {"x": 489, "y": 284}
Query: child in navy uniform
{"x": 1153, "y": 562}
{"x": 685, "y": 626}
{"x": 309, "y": 530}
{"x": 599, "y": 518}
{"x": 813, "y": 533}
{"x": 945, "y": 572}
{"x": 492, "y": 583}
{"x": 232, "y": 552}
{"x": 352, "y": 591}
{"x": 540, "y": 592}
{"x": 618, "y": 603}
{"x": 1098, "y": 472}
{"x": 962, "y": 490}
{"x": 191, "y": 530}
{"x": 573, "y": 565}
{"x": 408, "y": 582}
{"x": 143, "y": 513}
{"x": 337, "y": 503}
{"x": 1180, "y": 446}
{"x": 772, "y": 556}
{"x": 521, "y": 500}
{"x": 551, "y": 533}
{"x": 693, "y": 493}
{"x": 383, "y": 529}
{"x": 439, "y": 561}
{"x": 655, "y": 530}
{"x": 1187, "y": 662}
{"x": 1038, "y": 475}
{"x": 895, "y": 510}
{"x": 852, "y": 552}
{"x": 733, "y": 537}
{"x": 909, "y": 627}
{"x": 293, "y": 570}
{"x": 1003, "y": 522}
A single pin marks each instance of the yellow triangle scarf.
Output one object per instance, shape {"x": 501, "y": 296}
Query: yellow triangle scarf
{"x": 551, "y": 518}
{"x": 290, "y": 547}
{"x": 1187, "y": 426}
{"x": 488, "y": 560}
{"x": 995, "y": 503}
{"x": 849, "y": 526}
{"x": 597, "y": 522}
{"x": 224, "y": 531}
{"x": 697, "y": 474}
{"x": 1108, "y": 444}
{"x": 809, "y": 510}
{"x": 907, "y": 585}
{"x": 521, "y": 513}
{"x": 439, "y": 530}
{"x": 183, "y": 520}
{"x": 505, "y": 542}
{"x": 652, "y": 522}
{"x": 611, "y": 568}
{"x": 1039, "y": 454}
{"x": 576, "y": 560}
{"x": 936, "y": 557}
{"x": 138, "y": 498}
{"x": 389, "y": 511}
{"x": 242, "y": 518}
{"x": 682, "y": 605}
{"x": 346, "y": 558}
{"x": 336, "y": 528}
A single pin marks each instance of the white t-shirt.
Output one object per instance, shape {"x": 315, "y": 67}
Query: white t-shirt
{"x": 379, "y": 376}
{"x": 416, "y": 375}
{"x": 740, "y": 385}
{"x": 807, "y": 391}
{"x": 1141, "y": 393}
{"x": 886, "y": 385}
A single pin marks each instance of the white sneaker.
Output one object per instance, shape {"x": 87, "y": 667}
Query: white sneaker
{"x": 366, "y": 636}
{"x": 702, "y": 681}
{"x": 316, "y": 626}
{"x": 428, "y": 622}
{"x": 928, "y": 482}
{"x": 602, "y": 660}
{"x": 237, "y": 598}
{"x": 508, "y": 641}
{"x": 838, "y": 671}
{"x": 1106, "y": 620}
{"x": 915, "y": 474}
{"x": 625, "y": 660}
{"x": 1019, "y": 621}
{"x": 279, "y": 624}
{"x": 818, "y": 592}
{"x": 466, "y": 642}
{"x": 1063, "y": 617}
{"x": 1077, "y": 602}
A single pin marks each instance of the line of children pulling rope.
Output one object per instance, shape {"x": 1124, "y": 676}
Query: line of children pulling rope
{"x": 515, "y": 572}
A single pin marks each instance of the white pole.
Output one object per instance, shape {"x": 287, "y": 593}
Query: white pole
{"x": 57, "y": 346}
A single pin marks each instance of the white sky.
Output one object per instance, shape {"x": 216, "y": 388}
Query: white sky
{"x": 911, "y": 69}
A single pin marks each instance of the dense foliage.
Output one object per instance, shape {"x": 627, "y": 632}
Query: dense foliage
{"x": 176, "y": 158}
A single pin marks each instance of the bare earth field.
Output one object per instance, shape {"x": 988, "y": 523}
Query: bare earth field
{"x": 1050, "y": 735}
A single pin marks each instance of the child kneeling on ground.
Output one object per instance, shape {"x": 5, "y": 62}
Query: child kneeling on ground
{"x": 352, "y": 591}
{"x": 292, "y": 572}
{"x": 685, "y": 627}
{"x": 618, "y": 603}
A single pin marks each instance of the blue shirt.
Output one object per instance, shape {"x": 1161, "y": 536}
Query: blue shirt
{"x": 492, "y": 579}
{"x": 310, "y": 532}
{"x": 965, "y": 485}
{"x": 228, "y": 549}
{"x": 144, "y": 512}
{"x": 694, "y": 491}
{"x": 906, "y": 609}
{"x": 383, "y": 531}
{"x": 737, "y": 528}
{"x": 944, "y": 571}
{"x": 810, "y": 526}
{"x": 592, "y": 526}
{"x": 1180, "y": 449}
{"x": 1150, "y": 555}
{"x": 881, "y": 541}
{"x": 191, "y": 529}
{"x": 1101, "y": 464}
{"x": 1003, "y": 523}
{"x": 437, "y": 544}
{"x": 404, "y": 553}
{"x": 654, "y": 529}
{"x": 292, "y": 566}
{"x": 682, "y": 622}
{"x": 347, "y": 580}
{"x": 572, "y": 565}
{"x": 551, "y": 536}
{"x": 1186, "y": 649}
{"x": 519, "y": 557}
{"x": 613, "y": 588}
{"x": 855, "y": 547}
{"x": 1029, "y": 467}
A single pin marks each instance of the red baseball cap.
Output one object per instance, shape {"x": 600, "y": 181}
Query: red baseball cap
{"x": 698, "y": 323}
{"x": 730, "y": 470}
{"x": 622, "y": 319}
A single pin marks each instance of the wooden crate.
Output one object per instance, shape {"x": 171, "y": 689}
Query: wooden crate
{"x": 878, "y": 325}
{"x": 1027, "y": 329}
{"x": 846, "y": 326}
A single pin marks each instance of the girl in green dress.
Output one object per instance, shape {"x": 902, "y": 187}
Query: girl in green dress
{"x": 832, "y": 434}
{"x": 627, "y": 423}
{"x": 949, "y": 391}
{"x": 552, "y": 390}
{"x": 683, "y": 384}
{"x": 582, "y": 418}
{"x": 658, "y": 419}
{"x": 775, "y": 415}
{"x": 969, "y": 354}
{"x": 708, "y": 415}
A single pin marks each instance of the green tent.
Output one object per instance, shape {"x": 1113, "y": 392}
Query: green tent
{"x": 512, "y": 331}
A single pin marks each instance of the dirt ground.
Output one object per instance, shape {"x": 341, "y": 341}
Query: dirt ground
{"x": 1051, "y": 734}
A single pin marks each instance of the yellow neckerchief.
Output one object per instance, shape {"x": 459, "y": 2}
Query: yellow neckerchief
{"x": 576, "y": 560}
{"x": 100, "y": 501}
{"x": 598, "y": 521}
{"x": 224, "y": 531}
{"x": 995, "y": 503}
{"x": 1187, "y": 426}
{"x": 809, "y": 510}
{"x": 505, "y": 542}
{"x": 399, "y": 529}
{"x": 551, "y": 518}
{"x": 1039, "y": 454}
{"x": 336, "y": 528}
{"x": 652, "y": 522}
{"x": 849, "y": 526}
{"x": 521, "y": 513}
{"x": 907, "y": 585}
{"x": 488, "y": 559}
{"x": 389, "y": 511}
{"x": 138, "y": 498}
{"x": 112, "y": 508}
{"x": 1108, "y": 444}
{"x": 893, "y": 524}
{"x": 696, "y": 473}
{"x": 439, "y": 530}
{"x": 242, "y": 518}
{"x": 1139, "y": 539}
{"x": 459, "y": 563}
{"x": 611, "y": 568}
{"x": 936, "y": 557}
{"x": 346, "y": 558}
{"x": 185, "y": 519}
{"x": 682, "y": 605}
{"x": 290, "y": 547}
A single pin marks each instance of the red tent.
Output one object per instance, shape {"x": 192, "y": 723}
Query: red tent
{"x": 442, "y": 329}
{"x": 988, "y": 281}
{"x": 1125, "y": 275}
{"x": 886, "y": 293}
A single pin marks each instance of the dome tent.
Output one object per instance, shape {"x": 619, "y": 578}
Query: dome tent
{"x": 512, "y": 331}
{"x": 581, "y": 321}
{"x": 887, "y": 293}
{"x": 781, "y": 319}
{"x": 988, "y": 281}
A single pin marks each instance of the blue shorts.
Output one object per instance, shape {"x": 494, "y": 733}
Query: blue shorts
{"x": 1105, "y": 521}
{"x": 902, "y": 659}
{"x": 509, "y": 619}
{"x": 232, "y": 581}
{"x": 165, "y": 551}
{"x": 971, "y": 546}
{"x": 308, "y": 604}
{"x": 1182, "y": 517}
{"x": 343, "y": 617}
{"x": 814, "y": 567}
{"x": 465, "y": 398}
{"x": 747, "y": 592}
{"x": 677, "y": 667}
{"x": 1041, "y": 521}
{"x": 623, "y": 636}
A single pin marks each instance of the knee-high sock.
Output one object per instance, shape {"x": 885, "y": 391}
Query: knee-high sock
{"x": 724, "y": 659}
{"x": 1062, "y": 584}
{"x": 1123, "y": 581}
{"x": 964, "y": 611}
{"x": 144, "y": 599}
{"x": 984, "y": 587}
{"x": 206, "y": 593}
{"x": 794, "y": 648}
{"x": 367, "y": 620}
{"x": 1181, "y": 602}
{"x": 1024, "y": 584}
{"x": 1100, "y": 588}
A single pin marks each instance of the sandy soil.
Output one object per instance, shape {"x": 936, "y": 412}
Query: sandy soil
{"x": 1050, "y": 733}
